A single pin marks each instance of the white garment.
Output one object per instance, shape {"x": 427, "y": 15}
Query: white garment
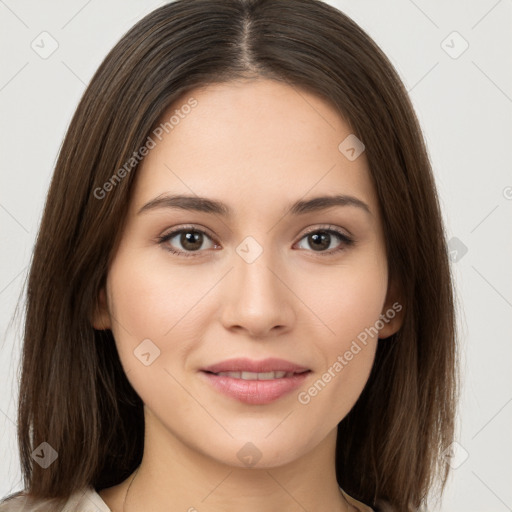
{"x": 88, "y": 500}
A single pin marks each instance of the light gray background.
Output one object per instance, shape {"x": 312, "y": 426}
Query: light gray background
{"x": 464, "y": 105}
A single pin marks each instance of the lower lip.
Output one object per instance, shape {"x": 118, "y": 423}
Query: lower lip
{"x": 255, "y": 392}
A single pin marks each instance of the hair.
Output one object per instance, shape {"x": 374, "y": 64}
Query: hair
{"x": 74, "y": 394}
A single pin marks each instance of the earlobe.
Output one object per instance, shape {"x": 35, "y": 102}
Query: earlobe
{"x": 393, "y": 312}
{"x": 101, "y": 317}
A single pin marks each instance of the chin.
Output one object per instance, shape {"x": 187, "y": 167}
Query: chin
{"x": 257, "y": 453}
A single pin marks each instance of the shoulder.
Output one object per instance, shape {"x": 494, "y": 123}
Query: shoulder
{"x": 359, "y": 505}
{"x": 84, "y": 500}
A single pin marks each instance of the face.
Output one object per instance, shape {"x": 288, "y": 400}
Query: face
{"x": 194, "y": 284}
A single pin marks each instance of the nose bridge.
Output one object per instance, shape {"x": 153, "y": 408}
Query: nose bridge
{"x": 258, "y": 300}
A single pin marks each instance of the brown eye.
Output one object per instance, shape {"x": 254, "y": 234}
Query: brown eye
{"x": 324, "y": 241}
{"x": 186, "y": 241}
{"x": 319, "y": 241}
{"x": 191, "y": 240}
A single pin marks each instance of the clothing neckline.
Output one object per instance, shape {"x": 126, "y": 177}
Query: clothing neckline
{"x": 91, "y": 497}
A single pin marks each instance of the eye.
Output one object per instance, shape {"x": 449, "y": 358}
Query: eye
{"x": 321, "y": 240}
{"x": 189, "y": 240}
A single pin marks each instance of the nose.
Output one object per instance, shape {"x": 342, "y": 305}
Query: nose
{"x": 258, "y": 298}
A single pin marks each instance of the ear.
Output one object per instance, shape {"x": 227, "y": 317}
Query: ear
{"x": 392, "y": 315}
{"x": 101, "y": 316}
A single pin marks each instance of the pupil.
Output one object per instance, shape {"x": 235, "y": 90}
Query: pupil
{"x": 321, "y": 240}
{"x": 188, "y": 239}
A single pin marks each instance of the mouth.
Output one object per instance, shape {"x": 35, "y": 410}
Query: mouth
{"x": 255, "y": 382}
{"x": 252, "y": 366}
{"x": 258, "y": 375}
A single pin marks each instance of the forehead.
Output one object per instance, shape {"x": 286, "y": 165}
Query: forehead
{"x": 251, "y": 143}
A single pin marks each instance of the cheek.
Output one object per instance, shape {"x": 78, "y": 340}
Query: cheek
{"x": 349, "y": 303}
{"x": 349, "y": 297}
{"x": 148, "y": 298}
{"x": 356, "y": 304}
{"x": 152, "y": 314}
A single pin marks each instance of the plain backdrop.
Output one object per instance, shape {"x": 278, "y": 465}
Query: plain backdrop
{"x": 455, "y": 59}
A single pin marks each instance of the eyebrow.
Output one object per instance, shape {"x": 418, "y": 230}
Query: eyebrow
{"x": 203, "y": 204}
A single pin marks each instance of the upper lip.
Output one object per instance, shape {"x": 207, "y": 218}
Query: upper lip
{"x": 251, "y": 365}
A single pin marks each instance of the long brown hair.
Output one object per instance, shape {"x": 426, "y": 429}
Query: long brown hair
{"x": 74, "y": 394}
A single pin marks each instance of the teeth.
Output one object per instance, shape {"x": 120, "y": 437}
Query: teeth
{"x": 270, "y": 375}
{"x": 256, "y": 376}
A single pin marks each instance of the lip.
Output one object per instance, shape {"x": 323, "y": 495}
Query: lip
{"x": 255, "y": 392}
{"x": 242, "y": 364}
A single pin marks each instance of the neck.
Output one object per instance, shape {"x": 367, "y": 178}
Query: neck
{"x": 175, "y": 475}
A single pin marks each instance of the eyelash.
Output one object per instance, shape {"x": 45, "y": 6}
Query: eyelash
{"x": 346, "y": 241}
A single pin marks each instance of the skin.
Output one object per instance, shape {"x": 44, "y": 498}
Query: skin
{"x": 257, "y": 146}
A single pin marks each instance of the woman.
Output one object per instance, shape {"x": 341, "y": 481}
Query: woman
{"x": 240, "y": 294}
